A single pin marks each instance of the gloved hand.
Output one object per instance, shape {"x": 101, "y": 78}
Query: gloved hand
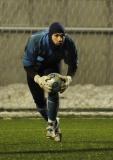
{"x": 67, "y": 80}
{"x": 42, "y": 82}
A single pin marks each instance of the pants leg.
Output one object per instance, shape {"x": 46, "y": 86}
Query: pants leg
{"x": 53, "y": 106}
{"x": 38, "y": 96}
{"x": 53, "y": 98}
{"x": 46, "y": 110}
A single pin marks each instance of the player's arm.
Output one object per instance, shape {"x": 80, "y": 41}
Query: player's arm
{"x": 71, "y": 59}
{"x": 29, "y": 61}
{"x": 28, "y": 58}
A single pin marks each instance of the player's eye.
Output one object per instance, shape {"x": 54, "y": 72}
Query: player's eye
{"x": 61, "y": 35}
{"x": 56, "y": 35}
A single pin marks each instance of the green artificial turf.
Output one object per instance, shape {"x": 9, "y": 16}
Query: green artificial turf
{"x": 83, "y": 139}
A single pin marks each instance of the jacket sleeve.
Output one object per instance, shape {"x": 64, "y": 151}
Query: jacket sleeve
{"x": 71, "y": 59}
{"x": 28, "y": 53}
{"x": 29, "y": 58}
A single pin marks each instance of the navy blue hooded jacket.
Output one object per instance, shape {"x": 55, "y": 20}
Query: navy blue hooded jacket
{"x": 39, "y": 54}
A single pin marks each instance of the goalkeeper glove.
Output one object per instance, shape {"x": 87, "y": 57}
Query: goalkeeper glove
{"x": 66, "y": 82}
{"x": 42, "y": 82}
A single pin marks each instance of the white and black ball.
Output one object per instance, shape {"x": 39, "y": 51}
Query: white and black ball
{"x": 55, "y": 82}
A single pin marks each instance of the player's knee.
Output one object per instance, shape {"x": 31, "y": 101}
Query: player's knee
{"x": 53, "y": 97}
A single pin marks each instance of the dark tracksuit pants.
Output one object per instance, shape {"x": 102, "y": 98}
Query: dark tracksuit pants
{"x": 47, "y": 108}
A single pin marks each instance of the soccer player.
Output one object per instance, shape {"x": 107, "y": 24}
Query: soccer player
{"x": 43, "y": 54}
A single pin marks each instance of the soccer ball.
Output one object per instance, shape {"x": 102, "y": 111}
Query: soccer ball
{"x": 54, "y": 81}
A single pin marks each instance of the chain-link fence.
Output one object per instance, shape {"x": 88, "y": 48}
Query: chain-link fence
{"x": 89, "y": 23}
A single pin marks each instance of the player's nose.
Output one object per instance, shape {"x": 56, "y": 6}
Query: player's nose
{"x": 60, "y": 39}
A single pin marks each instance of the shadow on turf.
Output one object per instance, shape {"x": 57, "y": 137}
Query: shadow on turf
{"x": 93, "y": 149}
{"x": 58, "y": 151}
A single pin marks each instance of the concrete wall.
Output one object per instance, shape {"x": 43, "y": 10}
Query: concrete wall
{"x": 72, "y": 13}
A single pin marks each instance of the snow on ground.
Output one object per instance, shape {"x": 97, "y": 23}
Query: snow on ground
{"x": 17, "y": 96}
